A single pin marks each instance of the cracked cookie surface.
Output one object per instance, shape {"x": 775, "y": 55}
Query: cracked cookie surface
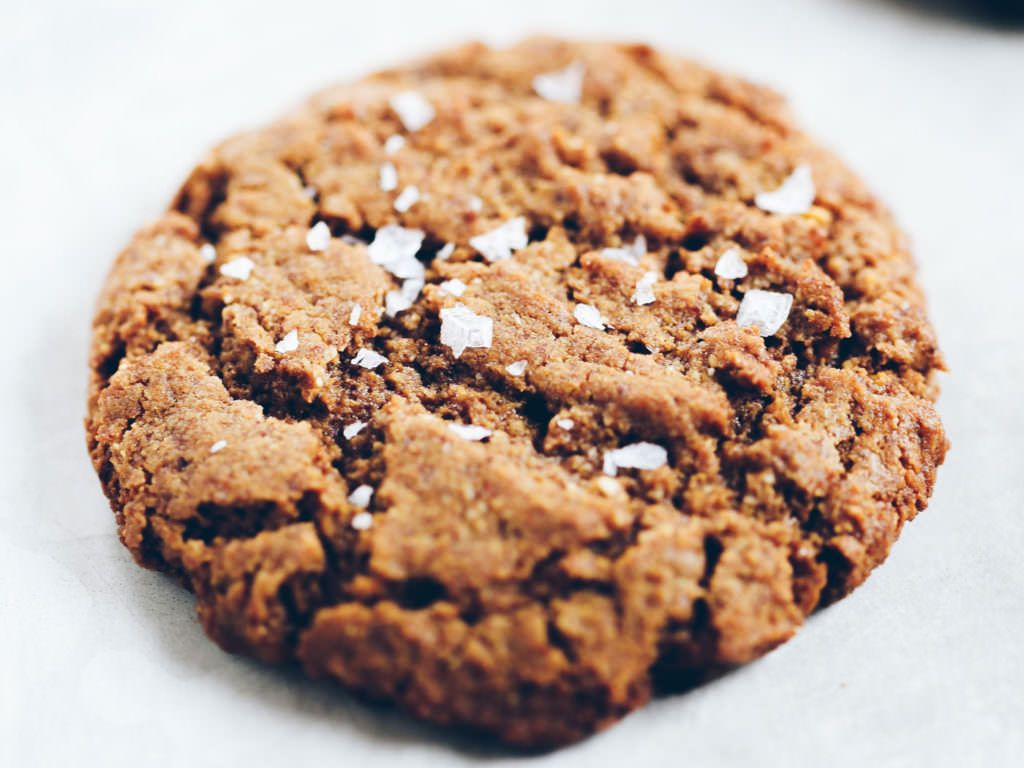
{"x": 605, "y": 484}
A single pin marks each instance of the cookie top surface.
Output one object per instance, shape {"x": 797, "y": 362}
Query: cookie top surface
{"x": 511, "y": 385}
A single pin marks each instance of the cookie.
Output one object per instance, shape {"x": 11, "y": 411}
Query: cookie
{"x": 513, "y": 386}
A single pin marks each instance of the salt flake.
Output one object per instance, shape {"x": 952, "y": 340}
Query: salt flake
{"x": 220, "y": 445}
{"x": 239, "y": 268}
{"x": 631, "y": 254}
{"x": 407, "y": 198}
{"x": 353, "y": 429}
{"x": 470, "y": 431}
{"x": 368, "y": 359}
{"x": 589, "y": 315}
{"x": 403, "y": 298}
{"x": 795, "y": 195}
{"x": 731, "y": 265}
{"x": 454, "y": 286}
{"x": 318, "y": 237}
{"x": 564, "y": 85}
{"x": 412, "y": 109}
{"x": 446, "y": 250}
{"x": 767, "y": 310}
{"x": 394, "y": 143}
{"x": 208, "y": 252}
{"x": 289, "y": 343}
{"x": 634, "y": 456}
{"x": 353, "y": 316}
{"x": 518, "y": 368}
{"x": 361, "y": 496}
{"x": 394, "y": 248}
{"x": 475, "y": 204}
{"x": 388, "y": 177}
{"x": 500, "y": 242}
{"x": 645, "y": 288}
{"x": 363, "y": 520}
{"x": 566, "y": 424}
{"x": 461, "y": 328}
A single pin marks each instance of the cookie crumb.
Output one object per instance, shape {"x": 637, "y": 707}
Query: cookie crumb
{"x": 368, "y": 359}
{"x": 353, "y": 429}
{"x": 361, "y": 496}
{"x": 208, "y": 252}
{"x": 470, "y": 431}
{"x": 566, "y": 424}
{"x": 645, "y": 288}
{"x": 388, "y": 177}
{"x": 318, "y": 237}
{"x": 412, "y": 109}
{"x": 454, "y": 286}
{"x": 634, "y": 456}
{"x": 767, "y": 310}
{"x": 731, "y": 265}
{"x": 393, "y": 144}
{"x": 518, "y": 368}
{"x": 289, "y": 343}
{"x": 563, "y": 85}
{"x": 353, "y": 316}
{"x": 589, "y": 315}
{"x": 462, "y": 328}
{"x": 407, "y": 199}
{"x": 631, "y": 254}
{"x": 220, "y": 445}
{"x": 239, "y": 268}
{"x": 500, "y": 242}
{"x": 363, "y": 520}
{"x": 446, "y": 250}
{"x": 795, "y": 195}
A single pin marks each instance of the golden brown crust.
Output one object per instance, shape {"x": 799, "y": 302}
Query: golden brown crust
{"x": 509, "y": 584}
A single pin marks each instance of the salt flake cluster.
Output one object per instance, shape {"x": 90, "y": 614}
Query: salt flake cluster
{"x": 368, "y": 359}
{"x": 500, "y": 242}
{"x": 634, "y": 456}
{"x": 395, "y": 248}
{"x": 631, "y": 254}
{"x": 412, "y": 109}
{"x": 767, "y": 310}
{"x": 462, "y": 328}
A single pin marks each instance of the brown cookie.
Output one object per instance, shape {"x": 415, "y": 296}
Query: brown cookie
{"x": 512, "y": 385}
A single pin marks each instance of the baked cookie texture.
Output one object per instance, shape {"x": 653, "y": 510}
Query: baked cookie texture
{"x": 513, "y": 574}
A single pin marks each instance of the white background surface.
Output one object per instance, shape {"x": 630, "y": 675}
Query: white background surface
{"x": 106, "y": 106}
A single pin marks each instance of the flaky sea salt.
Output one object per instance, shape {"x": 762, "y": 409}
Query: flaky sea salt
{"x": 353, "y": 429}
{"x": 393, "y": 144}
{"x": 634, "y": 456}
{"x": 566, "y": 424}
{"x": 767, "y": 310}
{"x": 361, "y": 496}
{"x": 645, "y": 288}
{"x": 388, "y": 177}
{"x": 368, "y": 359}
{"x": 318, "y": 237}
{"x": 363, "y": 520}
{"x": 470, "y": 431}
{"x": 404, "y": 297}
{"x": 795, "y": 195}
{"x": 407, "y": 198}
{"x": 446, "y": 250}
{"x": 353, "y": 316}
{"x": 208, "y": 252}
{"x": 454, "y": 286}
{"x": 588, "y": 315}
{"x": 564, "y": 85}
{"x": 631, "y": 254}
{"x": 239, "y": 268}
{"x": 518, "y": 368}
{"x": 220, "y": 445}
{"x": 731, "y": 265}
{"x": 501, "y": 241}
{"x": 461, "y": 328}
{"x": 289, "y": 343}
{"x": 475, "y": 204}
{"x": 412, "y": 109}
{"x": 394, "y": 248}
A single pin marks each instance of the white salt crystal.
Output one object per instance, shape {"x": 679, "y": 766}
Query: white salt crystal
{"x": 454, "y": 286}
{"x": 518, "y": 368}
{"x": 394, "y": 143}
{"x": 767, "y": 310}
{"x": 566, "y": 424}
{"x": 475, "y": 204}
{"x": 731, "y": 265}
{"x": 631, "y": 254}
{"x": 564, "y": 85}
{"x": 462, "y": 328}
{"x": 470, "y": 431}
{"x": 407, "y": 199}
{"x": 446, "y": 250}
{"x": 289, "y": 343}
{"x": 361, "y": 496}
{"x": 239, "y": 268}
{"x": 796, "y": 195}
{"x": 220, "y": 445}
{"x": 394, "y": 248}
{"x": 499, "y": 243}
{"x": 363, "y": 520}
{"x": 353, "y": 429}
{"x": 402, "y": 299}
{"x": 412, "y": 109}
{"x": 388, "y": 177}
{"x": 635, "y": 456}
{"x": 588, "y": 315}
{"x": 208, "y": 252}
{"x": 353, "y": 316}
{"x": 318, "y": 237}
{"x": 368, "y": 359}
{"x": 645, "y": 288}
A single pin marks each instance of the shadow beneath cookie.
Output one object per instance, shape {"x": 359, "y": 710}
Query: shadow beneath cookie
{"x": 994, "y": 14}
